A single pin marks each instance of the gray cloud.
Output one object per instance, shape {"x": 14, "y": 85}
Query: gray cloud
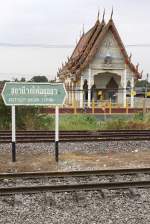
{"x": 59, "y": 22}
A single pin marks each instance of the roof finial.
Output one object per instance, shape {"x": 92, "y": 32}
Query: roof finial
{"x": 98, "y": 15}
{"x": 130, "y": 56}
{"x": 83, "y": 29}
{"x": 137, "y": 66}
{"x": 76, "y": 40}
{"x": 80, "y": 34}
{"x": 103, "y": 15}
{"x": 112, "y": 11}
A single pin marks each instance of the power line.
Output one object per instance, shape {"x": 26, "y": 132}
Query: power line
{"x": 59, "y": 45}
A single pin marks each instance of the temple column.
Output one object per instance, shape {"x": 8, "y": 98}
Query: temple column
{"x": 67, "y": 88}
{"x": 72, "y": 93}
{"x": 89, "y": 88}
{"x": 69, "y": 92}
{"x": 124, "y": 87}
{"x": 81, "y": 92}
{"x": 76, "y": 93}
{"x": 132, "y": 92}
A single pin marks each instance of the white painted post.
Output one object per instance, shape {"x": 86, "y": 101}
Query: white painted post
{"x": 89, "y": 88}
{"x": 13, "y": 119}
{"x": 132, "y": 96}
{"x": 81, "y": 92}
{"x": 56, "y": 133}
{"x": 124, "y": 86}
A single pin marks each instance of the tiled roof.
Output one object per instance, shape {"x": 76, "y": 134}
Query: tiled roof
{"x": 88, "y": 46}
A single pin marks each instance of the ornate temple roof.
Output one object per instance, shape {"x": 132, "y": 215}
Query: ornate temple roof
{"x": 88, "y": 46}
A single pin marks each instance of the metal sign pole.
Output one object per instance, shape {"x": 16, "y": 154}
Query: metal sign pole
{"x": 56, "y": 133}
{"x": 13, "y": 119}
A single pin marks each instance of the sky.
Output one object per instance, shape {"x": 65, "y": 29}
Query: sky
{"x": 36, "y": 36}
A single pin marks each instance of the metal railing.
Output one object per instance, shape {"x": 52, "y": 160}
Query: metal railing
{"x": 107, "y": 99}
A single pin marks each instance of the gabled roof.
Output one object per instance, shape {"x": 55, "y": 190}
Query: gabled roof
{"x": 88, "y": 46}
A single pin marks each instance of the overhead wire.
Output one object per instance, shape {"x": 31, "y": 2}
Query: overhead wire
{"x": 58, "y": 45}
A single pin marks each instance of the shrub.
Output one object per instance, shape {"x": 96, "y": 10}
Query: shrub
{"x": 115, "y": 124}
{"x": 138, "y": 116}
{"x": 5, "y": 115}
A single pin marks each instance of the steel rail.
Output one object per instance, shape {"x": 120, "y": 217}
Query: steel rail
{"x": 75, "y": 140}
{"x": 98, "y": 139}
{"x": 79, "y": 173}
{"x": 77, "y": 134}
{"x": 75, "y": 137}
{"x": 37, "y": 136}
{"x": 7, "y": 133}
{"x": 106, "y": 130}
{"x": 72, "y": 133}
{"x": 74, "y": 187}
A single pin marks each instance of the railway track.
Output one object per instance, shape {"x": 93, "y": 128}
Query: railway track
{"x": 76, "y": 136}
{"x": 89, "y": 186}
{"x": 84, "y": 173}
{"x": 74, "y": 187}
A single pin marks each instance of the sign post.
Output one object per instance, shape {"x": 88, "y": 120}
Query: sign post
{"x": 56, "y": 133}
{"x": 13, "y": 118}
{"x": 34, "y": 94}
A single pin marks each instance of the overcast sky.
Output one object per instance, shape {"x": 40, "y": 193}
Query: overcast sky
{"x": 24, "y": 23}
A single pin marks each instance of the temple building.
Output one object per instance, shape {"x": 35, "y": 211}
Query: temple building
{"x": 100, "y": 67}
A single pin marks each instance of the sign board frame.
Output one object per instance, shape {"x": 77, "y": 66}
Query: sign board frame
{"x": 34, "y": 83}
{"x": 13, "y": 114}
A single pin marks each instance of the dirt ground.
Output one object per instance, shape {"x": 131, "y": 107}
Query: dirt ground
{"x": 27, "y": 162}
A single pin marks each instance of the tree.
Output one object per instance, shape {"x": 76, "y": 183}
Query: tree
{"x": 23, "y": 79}
{"x": 142, "y": 83}
{"x": 39, "y": 79}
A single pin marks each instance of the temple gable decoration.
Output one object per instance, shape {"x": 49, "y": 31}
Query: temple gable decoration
{"x": 100, "y": 59}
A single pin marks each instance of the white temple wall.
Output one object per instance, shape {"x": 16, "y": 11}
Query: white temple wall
{"x": 109, "y": 46}
{"x": 102, "y": 72}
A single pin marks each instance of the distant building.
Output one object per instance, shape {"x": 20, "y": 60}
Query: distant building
{"x": 100, "y": 62}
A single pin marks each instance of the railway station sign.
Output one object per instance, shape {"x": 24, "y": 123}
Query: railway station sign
{"x": 27, "y": 94}
{"x": 16, "y": 93}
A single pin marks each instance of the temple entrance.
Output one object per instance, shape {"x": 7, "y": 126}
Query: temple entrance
{"x": 107, "y": 85}
{"x": 111, "y": 90}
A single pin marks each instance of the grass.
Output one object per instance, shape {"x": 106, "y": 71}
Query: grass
{"x": 28, "y": 118}
{"x": 78, "y": 122}
{"x": 88, "y": 122}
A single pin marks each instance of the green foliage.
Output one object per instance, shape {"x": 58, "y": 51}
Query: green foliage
{"x": 138, "y": 116}
{"x": 45, "y": 122}
{"x": 39, "y": 79}
{"x": 5, "y": 115}
{"x": 115, "y": 124}
{"x": 78, "y": 122}
{"x": 142, "y": 83}
{"x": 147, "y": 118}
{"x": 26, "y": 117}
{"x": 23, "y": 79}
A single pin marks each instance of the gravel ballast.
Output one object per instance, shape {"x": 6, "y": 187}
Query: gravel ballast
{"x": 115, "y": 207}
{"x": 75, "y": 156}
{"x": 91, "y": 207}
{"x": 88, "y": 147}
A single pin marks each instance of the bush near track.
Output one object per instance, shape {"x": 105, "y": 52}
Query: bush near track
{"x": 28, "y": 118}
